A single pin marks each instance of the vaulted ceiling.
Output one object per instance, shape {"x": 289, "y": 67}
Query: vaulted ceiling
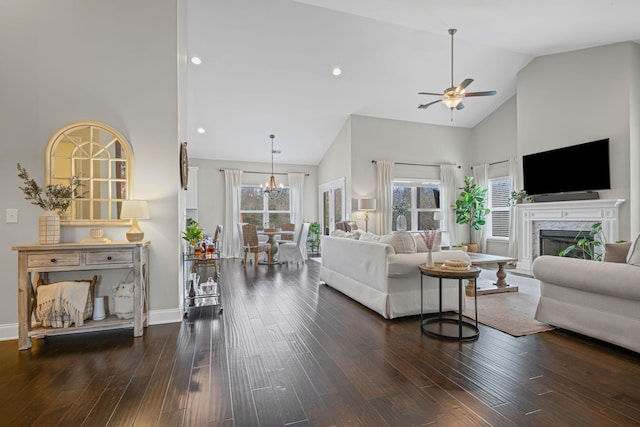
{"x": 267, "y": 64}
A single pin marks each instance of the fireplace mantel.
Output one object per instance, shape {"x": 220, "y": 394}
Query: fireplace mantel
{"x": 575, "y": 214}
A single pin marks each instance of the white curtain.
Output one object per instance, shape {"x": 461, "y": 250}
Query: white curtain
{"x": 296, "y": 191}
{"x": 481, "y": 178}
{"x": 231, "y": 247}
{"x": 448, "y": 196}
{"x": 514, "y": 185}
{"x": 384, "y": 195}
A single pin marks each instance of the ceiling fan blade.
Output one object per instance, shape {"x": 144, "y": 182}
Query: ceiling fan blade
{"x": 429, "y": 93}
{"x": 485, "y": 93}
{"x": 460, "y": 106}
{"x": 426, "y": 105}
{"x": 462, "y": 86}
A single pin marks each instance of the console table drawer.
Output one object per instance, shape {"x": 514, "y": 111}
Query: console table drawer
{"x": 58, "y": 259}
{"x": 109, "y": 257}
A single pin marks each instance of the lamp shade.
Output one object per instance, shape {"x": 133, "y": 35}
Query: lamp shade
{"x": 437, "y": 216}
{"x": 366, "y": 204}
{"x": 134, "y": 209}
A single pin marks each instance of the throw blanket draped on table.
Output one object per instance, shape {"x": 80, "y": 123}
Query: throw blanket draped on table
{"x": 62, "y": 304}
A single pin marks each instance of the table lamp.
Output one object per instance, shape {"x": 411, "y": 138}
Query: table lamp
{"x": 366, "y": 205}
{"x": 134, "y": 210}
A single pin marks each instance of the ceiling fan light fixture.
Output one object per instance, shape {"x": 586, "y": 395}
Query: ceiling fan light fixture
{"x": 452, "y": 101}
{"x": 452, "y": 97}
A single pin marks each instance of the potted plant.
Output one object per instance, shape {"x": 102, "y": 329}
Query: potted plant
{"x": 313, "y": 238}
{"x": 520, "y": 196}
{"x": 193, "y": 235}
{"x": 401, "y": 221}
{"x": 470, "y": 208}
{"x": 587, "y": 247}
{"x": 54, "y": 199}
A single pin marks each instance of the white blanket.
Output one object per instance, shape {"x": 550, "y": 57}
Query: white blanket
{"x": 62, "y": 304}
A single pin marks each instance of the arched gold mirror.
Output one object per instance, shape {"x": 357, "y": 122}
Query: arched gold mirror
{"x": 102, "y": 158}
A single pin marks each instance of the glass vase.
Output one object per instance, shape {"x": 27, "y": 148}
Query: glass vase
{"x": 401, "y": 223}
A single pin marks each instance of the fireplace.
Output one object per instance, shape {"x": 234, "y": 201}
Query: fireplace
{"x": 554, "y": 241}
{"x": 570, "y": 216}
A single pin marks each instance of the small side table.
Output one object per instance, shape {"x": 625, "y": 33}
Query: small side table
{"x": 443, "y": 327}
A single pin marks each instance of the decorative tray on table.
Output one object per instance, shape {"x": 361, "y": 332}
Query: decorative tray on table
{"x": 455, "y": 265}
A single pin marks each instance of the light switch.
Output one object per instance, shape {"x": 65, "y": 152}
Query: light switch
{"x": 12, "y": 216}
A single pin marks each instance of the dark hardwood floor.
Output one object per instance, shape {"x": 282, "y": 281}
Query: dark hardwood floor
{"x": 288, "y": 351}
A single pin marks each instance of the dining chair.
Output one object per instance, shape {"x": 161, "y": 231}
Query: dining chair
{"x": 295, "y": 251}
{"x": 285, "y": 238}
{"x": 217, "y": 235}
{"x": 252, "y": 245}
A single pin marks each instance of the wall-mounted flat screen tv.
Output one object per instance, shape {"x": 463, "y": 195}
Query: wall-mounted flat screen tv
{"x": 582, "y": 167}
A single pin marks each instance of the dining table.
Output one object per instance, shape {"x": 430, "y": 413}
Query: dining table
{"x": 273, "y": 243}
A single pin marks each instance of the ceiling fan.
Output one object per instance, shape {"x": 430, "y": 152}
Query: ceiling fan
{"x": 452, "y": 97}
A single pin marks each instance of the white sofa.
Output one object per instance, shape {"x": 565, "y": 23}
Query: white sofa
{"x": 387, "y": 282}
{"x": 593, "y": 298}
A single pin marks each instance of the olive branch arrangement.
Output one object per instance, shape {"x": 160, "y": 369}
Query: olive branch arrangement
{"x": 53, "y": 196}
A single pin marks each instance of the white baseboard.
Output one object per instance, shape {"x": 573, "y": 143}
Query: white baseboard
{"x": 9, "y": 331}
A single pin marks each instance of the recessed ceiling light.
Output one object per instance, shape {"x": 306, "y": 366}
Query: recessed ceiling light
{"x": 336, "y": 71}
{"x": 196, "y": 60}
{"x": 200, "y": 130}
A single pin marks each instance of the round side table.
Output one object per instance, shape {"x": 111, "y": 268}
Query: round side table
{"x": 446, "y": 327}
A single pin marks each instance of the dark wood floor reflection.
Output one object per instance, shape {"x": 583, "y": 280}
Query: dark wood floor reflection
{"x": 287, "y": 351}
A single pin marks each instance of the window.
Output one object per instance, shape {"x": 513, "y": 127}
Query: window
{"x": 422, "y": 199}
{"x": 257, "y": 209}
{"x": 498, "y": 202}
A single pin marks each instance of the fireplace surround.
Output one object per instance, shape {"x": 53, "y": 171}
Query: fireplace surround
{"x": 575, "y": 215}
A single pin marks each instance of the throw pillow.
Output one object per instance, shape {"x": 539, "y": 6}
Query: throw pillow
{"x": 633, "y": 257}
{"x": 402, "y": 242}
{"x": 355, "y": 234}
{"x": 338, "y": 233}
{"x": 616, "y": 252}
{"x": 369, "y": 237}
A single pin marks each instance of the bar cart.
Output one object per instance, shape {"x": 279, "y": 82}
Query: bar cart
{"x": 202, "y": 280}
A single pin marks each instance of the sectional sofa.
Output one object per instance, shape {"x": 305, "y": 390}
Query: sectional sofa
{"x": 383, "y": 274}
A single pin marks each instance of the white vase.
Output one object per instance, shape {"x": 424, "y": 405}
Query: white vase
{"x": 401, "y": 223}
{"x": 49, "y": 228}
{"x": 429, "y": 258}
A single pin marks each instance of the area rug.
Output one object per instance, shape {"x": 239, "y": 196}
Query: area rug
{"x": 510, "y": 312}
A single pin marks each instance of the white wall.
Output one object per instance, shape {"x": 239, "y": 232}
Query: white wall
{"x": 494, "y": 141}
{"x": 582, "y": 96}
{"x": 405, "y": 142}
{"x": 112, "y": 62}
{"x": 211, "y": 187}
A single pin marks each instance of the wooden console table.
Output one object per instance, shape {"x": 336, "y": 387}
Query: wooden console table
{"x": 35, "y": 261}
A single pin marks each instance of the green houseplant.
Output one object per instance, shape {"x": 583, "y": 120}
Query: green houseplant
{"x": 193, "y": 234}
{"x": 520, "y": 196}
{"x": 313, "y": 238}
{"x": 470, "y": 206}
{"x": 587, "y": 246}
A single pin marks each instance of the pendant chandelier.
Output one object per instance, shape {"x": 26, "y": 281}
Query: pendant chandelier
{"x": 272, "y": 190}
